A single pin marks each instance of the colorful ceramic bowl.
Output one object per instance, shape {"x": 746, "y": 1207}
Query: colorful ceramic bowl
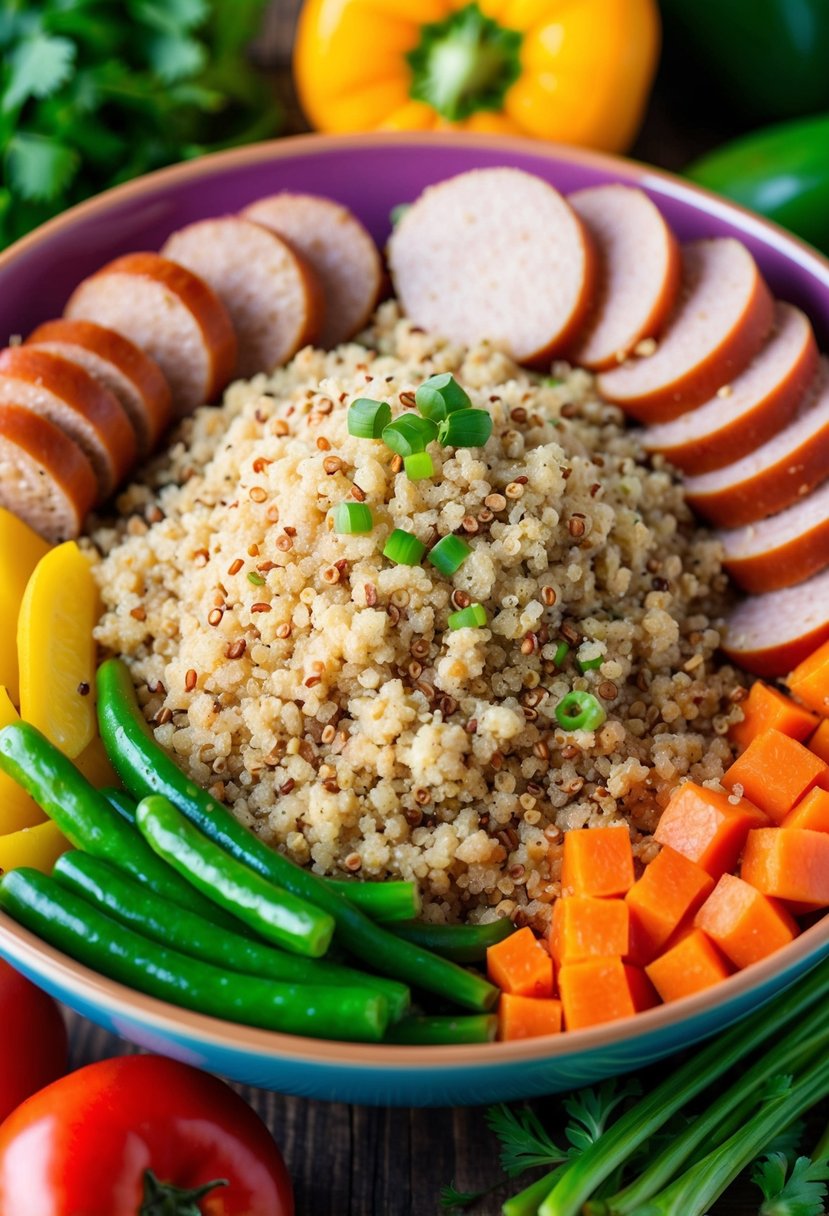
{"x": 371, "y": 175}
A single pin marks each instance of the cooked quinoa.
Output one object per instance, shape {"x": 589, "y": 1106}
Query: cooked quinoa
{"x": 315, "y": 686}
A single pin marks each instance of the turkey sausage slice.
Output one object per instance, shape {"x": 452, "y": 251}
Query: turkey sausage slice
{"x": 770, "y": 634}
{"x": 783, "y": 549}
{"x": 45, "y": 479}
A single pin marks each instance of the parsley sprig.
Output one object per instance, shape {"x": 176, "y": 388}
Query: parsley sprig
{"x": 93, "y": 93}
{"x": 797, "y": 1189}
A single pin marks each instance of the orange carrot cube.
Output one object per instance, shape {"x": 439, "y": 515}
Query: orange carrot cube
{"x": 601, "y": 990}
{"x": 819, "y": 742}
{"x": 705, "y": 826}
{"x": 809, "y": 681}
{"x": 766, "y": 708}
{"x": 520, "y": 965}
{"x": 525, "y": 1017}
{"x": 670, "y": 891}
{"x": 586, "y": 927}
{"x": 744, "y": 923}
{"x": 689, "y": 966}
{"x": 790, "y": 864}
{"x": 811, "y": 812}
{"x": 775, "y": 772}
{"x": 597, "y": 861}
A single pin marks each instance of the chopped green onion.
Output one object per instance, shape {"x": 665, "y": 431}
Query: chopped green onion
{"x": 468, "y": 618}
{"x": 580, "y": 711}
{"x": 404, "y": 549}
{"x": 552, "y": 381}
{"x": 589, "y": 664}
{"x": 418, "y": 466}
{"x": 449, "y": 554}
{"x": 256, "y": 578}
{"x": 396, "y": 214}
{"x": 562, "y": 651}
{"x": 367, "y": 418}
{"x": 441, "y": 395}
{"x": 409, "y": 434}
{"x": 466, "y": 429}
{"x": 350, "y": 517}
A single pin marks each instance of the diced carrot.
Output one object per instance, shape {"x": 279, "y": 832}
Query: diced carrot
{"x": 790, "y": 864}
{"x": 705, "y": 826}
{"x": 670, "y": 890}
{"x": 597, "y": 861}
{"x": 586, "y": 927}
{"x": 811, "y": 812}
{"x": 775, "y": 772}
{"x": 819, "y": 742}
{"x": 809, "y": 681}
{"x": 601, "y": 990}
{"x": 766, "y": 708}
{"x": 525, "y": 1017}
{"x": 689, "y": 966}
{"x": 520, "y": 964}
{"x": 744, "y": 923}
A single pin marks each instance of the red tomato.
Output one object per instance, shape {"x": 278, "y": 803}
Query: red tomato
{"x": 32, "y": 1039}
{"x": 93, "y": 1142}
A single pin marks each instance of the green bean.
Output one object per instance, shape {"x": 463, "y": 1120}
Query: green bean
{"x": 132, "y": 905}
{"x": 68, "y": 922}
{"x": 461, "y": 943}
{"x": 275, "y": 914}
{"x": 145, "y": 768}
{"x": 444, "y": 1031}
{"x": 123, "y": 803}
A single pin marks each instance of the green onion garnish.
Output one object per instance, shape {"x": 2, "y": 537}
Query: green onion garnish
{"x": 396, "y": 214}
{"x": 449, "y": 554}
{"x": 589, "y": 664}
{"x": 466, "y": 429}
{"x": 256, "y": 578}
{"x": 367, "y": 418}
{"x": 350, "y": 517}
{"x": 441, "y": 395}
{"x": 409, "y": 434}
{"x": 418, "y": 466}
{"x": 404, "y": 549}
{"x": 580, "y": 711}
{"x": 468, "y": 618}
{"x": 562, "y": 651}
{"x": 552, "y": 381}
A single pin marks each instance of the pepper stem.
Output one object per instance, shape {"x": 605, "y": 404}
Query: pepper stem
{"x": 464, "y": 64}
{"x": 164, "y": 1199}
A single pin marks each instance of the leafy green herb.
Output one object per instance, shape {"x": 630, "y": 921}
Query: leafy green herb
{"x": 523, "y": 1139}
{"x": 591, "y": 1109}
{"x": 452, "y": 1200}
{"x": 93, "y": 93}
{"x": 791, "y": 1190}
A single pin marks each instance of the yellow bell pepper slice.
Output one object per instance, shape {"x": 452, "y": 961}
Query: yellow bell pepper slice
{"x": 20, "y": 551}
{"x": 56, "y": 650}
{"x": 38, "y": 847}
{"x": 576, "y": 71}
{"x": 17, "y": 809}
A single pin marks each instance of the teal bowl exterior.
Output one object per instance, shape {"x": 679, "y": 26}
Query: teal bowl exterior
{"x": 371, "y": 174}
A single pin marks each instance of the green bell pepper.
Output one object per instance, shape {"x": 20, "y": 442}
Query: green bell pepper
{"x": 782, "y": 172}
{"x": 770, "y": 58}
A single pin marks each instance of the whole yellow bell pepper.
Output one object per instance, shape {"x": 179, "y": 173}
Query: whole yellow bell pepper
{"x": 575, "y": 71}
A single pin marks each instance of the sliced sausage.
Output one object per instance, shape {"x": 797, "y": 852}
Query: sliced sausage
{"x": 171, "y": 314}
{"x": 750, "y": 410}
{"x": 272, "y": 296}
{"x": 495, "y": 254}
{"x": 721, "y": 320}
{"x": 338, "y": 249}
{"x": 133, "y": 377}
{"x": 639, "y": 273}
{"x": 770, "y": 634}
{"x": 45, "y": 479}
{"x": 69, "y": 397}
{"x": 783, "y": 549}
{"x": 774, "y": 476}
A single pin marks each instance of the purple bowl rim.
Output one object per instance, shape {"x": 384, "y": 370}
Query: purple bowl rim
{"x": 129, "y": 1003}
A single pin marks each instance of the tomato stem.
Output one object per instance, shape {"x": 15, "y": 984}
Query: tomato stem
{"x": 164, "y": 1199}
{"x": 464, "y": 64}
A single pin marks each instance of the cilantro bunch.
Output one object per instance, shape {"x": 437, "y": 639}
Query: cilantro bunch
{"x": 93, "y": 92}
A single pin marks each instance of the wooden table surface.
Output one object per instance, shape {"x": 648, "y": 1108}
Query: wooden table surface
{"x": 364, "y": 1161}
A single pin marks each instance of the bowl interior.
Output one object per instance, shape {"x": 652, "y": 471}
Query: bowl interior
{"x": 371, "y": 175}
